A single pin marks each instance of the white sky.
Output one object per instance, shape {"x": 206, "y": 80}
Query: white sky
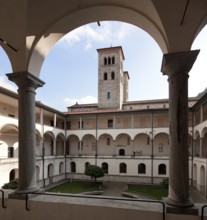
{"x": 70, "y": 71}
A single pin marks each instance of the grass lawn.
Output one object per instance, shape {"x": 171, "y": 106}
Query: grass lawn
{"x": 76, "y": 187}
{"x": 156, "y": 192}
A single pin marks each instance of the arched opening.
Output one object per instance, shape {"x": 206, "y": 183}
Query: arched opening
{"x": 112, "y": 75}
{"x": 9, "y": 141}
{"x": 109, "y": 60}
{"x": 49, "y": 144}
{"x": 122, "y": 168}
{"x": 72, "y": 167}
{"x": 113, "y": 60}
{"x": 105, "y": 61}
{"x": 133, "y": 33}
{"x": 105, "y": 76}
{"x": 60, "y": 145}
{"x": 61, "y": 168}
{"x": 121, "y": 152}
{"x": 162, "y": 169}
{"x": 13, "y": 175}
{"x": 105, "y": 145}
{"x": 73, "y": 145}
{"x": 105, "y": 167}
{"x": 50, "y": 172}
{"x": 141, "y": 168}
{"x": 86, "y": 165}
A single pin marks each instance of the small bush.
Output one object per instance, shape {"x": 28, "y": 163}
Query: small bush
{"x": 94, "y": 172}
{"x": 165, "y": 183}
{"x": 11, "y": 185}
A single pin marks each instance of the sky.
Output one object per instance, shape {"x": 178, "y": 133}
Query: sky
{"x": 70, "y": 71}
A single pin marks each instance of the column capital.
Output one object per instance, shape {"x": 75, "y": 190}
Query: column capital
{"x": 179, "y": 62}
{"x": 23, "y": 79}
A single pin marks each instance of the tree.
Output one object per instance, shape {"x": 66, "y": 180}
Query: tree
{"x": 94, "y": 172}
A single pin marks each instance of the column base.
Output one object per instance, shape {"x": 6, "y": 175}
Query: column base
{"x": 186, "y": 208}
{"x": 21, "y": 194}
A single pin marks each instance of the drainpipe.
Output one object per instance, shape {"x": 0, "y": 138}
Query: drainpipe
{"x": 152, "y": 152}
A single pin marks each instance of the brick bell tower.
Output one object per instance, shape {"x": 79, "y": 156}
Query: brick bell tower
{"x": 112, "y": 80}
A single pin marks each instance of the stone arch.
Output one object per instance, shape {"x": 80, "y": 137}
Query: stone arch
{"x": 49, "y": 143}
{"x": 142, "y": 144}
{"x": 105, "y": 145}
{"x": 72, "y": 145}
{"x": 88, "y": 145}
{"x": 86, "y": 15}
{"x": 9, "y": 141}
{"x": 124, "y": 144}
{"x": 161, "y": 144}
{"x": 60, "y": 144}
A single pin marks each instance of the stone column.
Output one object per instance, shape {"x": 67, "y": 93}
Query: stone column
{"x": 27, "y": 84}
{"x": 54, "y": 147}
{"x": 177, "y": 67}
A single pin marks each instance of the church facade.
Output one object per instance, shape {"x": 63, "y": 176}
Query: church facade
{"x": 128, "y": 139}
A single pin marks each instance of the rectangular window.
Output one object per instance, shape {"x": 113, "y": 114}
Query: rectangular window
{"x": 110, "y": 123}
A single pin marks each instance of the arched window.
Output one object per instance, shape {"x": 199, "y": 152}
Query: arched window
{"x": 108, "y": 95}
{"x": 105, "y": 76}
{"x": 112, "y": 75}
{"x": 105, "y": 167}
{"x": 87, "y": 164}
{"x": 122, "y": 168}
{"x": 105, "y": 61}
{"x": 109, "y": 60}
{"x": 61, "y": 167}
{"x": 50, "y": 170}
{"x": 121, "y": 152}
{"x": 12, "y": 175}
{"x": 73, "y": 167}
{"x": 113, "y": 60}
{"x": 141, "y": 168}
{"x": 162, "y": 169}
{"x": 108, "y": 141}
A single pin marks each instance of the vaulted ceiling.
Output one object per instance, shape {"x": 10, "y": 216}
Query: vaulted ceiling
{"x": 32, "y": 27}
